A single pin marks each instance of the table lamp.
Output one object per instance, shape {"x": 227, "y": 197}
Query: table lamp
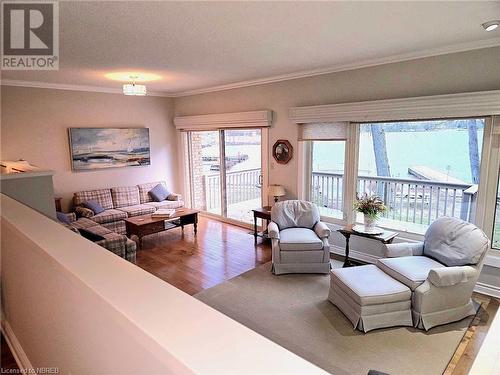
{"x": 276, "y": 191}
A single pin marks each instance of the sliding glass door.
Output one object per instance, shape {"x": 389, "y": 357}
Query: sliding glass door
{"x": 226, "y": 172}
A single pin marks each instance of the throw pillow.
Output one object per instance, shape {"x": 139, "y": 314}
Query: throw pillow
{"x": 94, "y": 206}
{"x": 159, "y": 193}
{"x": 91, "y": 236}
{"x": 62, "y": 217}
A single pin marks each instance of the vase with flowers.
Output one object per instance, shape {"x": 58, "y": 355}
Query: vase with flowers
{"x": 371, "y": 206}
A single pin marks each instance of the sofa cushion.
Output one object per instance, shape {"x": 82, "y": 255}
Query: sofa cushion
{"x": 166, "y": 204}
{"x": 145, "y": 188}
{"x": 109, "y": 216}
{"x": 299, "y": 239}
{"x": 103, "y": 196}
{"x": 114, "y": 242}
{"x": 159, "y": 193}
{"x": 124, "y": 196}
{"x": 454, "y": 242}
{"x": 368, "y": 285}
{"x": 138, "y": 209}
{"x": 116, "y": 226}
{"x": 84, "y": 223}
{"x": 94, "y": 206}
{"x": 411, "y": 271}
{"x": 295, "y": 213}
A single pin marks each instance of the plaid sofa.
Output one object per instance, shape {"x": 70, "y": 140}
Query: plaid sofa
{"x": 118, "y": 244}
{"x": 122, "y": 202}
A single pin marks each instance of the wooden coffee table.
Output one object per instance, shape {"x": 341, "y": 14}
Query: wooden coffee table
{"x": 145, "y": 225}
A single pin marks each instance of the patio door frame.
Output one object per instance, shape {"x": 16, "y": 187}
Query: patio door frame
{"x": 185, "y": 142}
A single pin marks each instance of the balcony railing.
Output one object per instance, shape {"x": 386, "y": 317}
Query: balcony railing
{"x": 240, "y": 186}
{"x": 414, "y": 201}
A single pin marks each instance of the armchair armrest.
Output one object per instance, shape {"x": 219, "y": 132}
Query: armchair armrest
{"x": 322, "y": 230}
{"x": 84, "y": 212}
{"x": 448, "y": 276}
{"x": 174, "y": 197}
{"x": 273, "y": 230}
{"x": 403, "y": 249}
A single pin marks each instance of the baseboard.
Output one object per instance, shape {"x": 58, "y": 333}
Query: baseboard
{"x": 15, "y": 347}
{"x": 490, "y": 290}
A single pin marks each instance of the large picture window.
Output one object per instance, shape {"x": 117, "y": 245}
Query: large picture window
{"x": 422, "y": 170}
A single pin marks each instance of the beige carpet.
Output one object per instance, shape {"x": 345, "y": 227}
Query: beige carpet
{"x": 293, "y": 311}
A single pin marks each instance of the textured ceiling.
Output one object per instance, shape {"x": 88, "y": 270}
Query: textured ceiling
{"x": 194, "y": 45}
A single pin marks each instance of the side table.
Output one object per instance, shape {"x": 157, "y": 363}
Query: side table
{"x": 263, "y": 213}
{"x": 347, "y": 231}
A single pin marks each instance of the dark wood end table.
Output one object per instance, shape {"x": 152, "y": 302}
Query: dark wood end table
{"x": 263, "y": 213}
{"x": 347, "y": 231}
{"x": 145, "y": 225}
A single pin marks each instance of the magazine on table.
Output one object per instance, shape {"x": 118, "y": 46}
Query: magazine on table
{"x": 164, "y": 212}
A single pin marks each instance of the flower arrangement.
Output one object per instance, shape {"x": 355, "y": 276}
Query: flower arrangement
{"x": 370, "y": 205}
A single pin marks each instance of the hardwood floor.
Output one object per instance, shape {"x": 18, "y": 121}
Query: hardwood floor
{"x": 192, "y": 263}
{"x": 221, "y": 251}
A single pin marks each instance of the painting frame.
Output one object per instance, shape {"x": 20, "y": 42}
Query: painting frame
{"x": 98, "y": 148}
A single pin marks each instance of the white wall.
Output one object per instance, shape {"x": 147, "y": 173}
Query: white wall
{"x": 35, "y": 122}
{"x": 69, "y": 303}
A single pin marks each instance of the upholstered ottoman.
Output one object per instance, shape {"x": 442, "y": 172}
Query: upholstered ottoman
{"x": 369, "y": 298}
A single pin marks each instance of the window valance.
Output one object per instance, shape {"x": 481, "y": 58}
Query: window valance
{"x": 253, "y": 119}
{"x": 323, "y": 131}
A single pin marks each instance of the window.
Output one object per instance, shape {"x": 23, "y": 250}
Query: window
{"x": 327, "y": 177}
{"x": 422, "y": 170}
{"x": 226, "y": 172}
{"x": 495, "y": 243}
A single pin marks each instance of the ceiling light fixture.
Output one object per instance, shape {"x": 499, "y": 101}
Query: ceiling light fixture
{"x": 133, "y": 89}
{"x": 491, "y": 25}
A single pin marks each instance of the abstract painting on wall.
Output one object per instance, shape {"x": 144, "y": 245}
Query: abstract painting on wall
{"x": 97, "y": 148}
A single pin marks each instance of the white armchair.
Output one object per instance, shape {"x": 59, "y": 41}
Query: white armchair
{"x": 299, "y": 239}
{"x": 441, "y": 271}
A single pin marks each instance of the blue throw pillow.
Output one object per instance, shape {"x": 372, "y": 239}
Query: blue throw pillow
{"x": 159, "y": 193}
{"x": 63, "y": 218}
{"x": 94, "y": 206}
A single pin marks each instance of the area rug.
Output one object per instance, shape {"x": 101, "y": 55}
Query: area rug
{"x": 293, "y": 311}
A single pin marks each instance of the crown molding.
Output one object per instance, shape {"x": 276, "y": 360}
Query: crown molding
{"x": 469, "y": 104}
{"x": 61, "y": 86}
{"x": 225, "y": 120}
{"x": 455, "y": 48}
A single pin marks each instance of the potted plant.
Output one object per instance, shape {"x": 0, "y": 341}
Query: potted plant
{"x": 371, "y": 206}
